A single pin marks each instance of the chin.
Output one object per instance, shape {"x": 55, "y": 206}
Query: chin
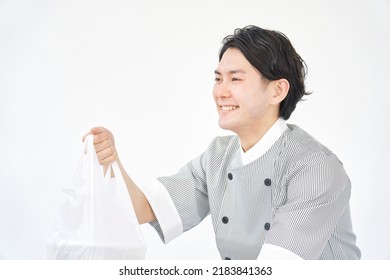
{"x": 226, "y": 126}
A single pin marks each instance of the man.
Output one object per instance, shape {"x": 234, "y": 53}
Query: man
{"x": 272, "y": 190}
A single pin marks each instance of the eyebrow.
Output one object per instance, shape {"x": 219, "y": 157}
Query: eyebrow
{"x": 230, "y": 72}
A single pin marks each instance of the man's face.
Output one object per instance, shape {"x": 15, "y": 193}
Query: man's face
{"x": 241, "y": 94}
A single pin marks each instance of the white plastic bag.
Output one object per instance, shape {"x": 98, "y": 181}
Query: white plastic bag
{"x": 97, "y": 221}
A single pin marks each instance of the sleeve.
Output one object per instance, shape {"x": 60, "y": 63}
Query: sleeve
{"x": 188, "y": 191}
{"x": 318, "y": 192}
{"x": 166, "y": 213}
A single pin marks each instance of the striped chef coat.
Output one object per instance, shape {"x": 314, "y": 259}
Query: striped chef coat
{"x": 294, "y": 196}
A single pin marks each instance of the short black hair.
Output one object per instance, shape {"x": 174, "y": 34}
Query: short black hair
{"x": 273, "y": 55}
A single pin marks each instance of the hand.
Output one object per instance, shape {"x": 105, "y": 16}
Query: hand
{"x": 104, "y": 143}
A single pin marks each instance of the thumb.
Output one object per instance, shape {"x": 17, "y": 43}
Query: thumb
{"x": 93, "y": 131}
{"x": 85, "y": 136}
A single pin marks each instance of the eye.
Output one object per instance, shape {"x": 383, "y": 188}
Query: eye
{"x": 217, "y": 79}
{"x": 236, "y": 79}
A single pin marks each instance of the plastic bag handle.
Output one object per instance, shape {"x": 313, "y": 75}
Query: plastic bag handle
{"x": 90, "y": 153}
{"x": 114, "y": 166}
{"x": 89, "y": 148}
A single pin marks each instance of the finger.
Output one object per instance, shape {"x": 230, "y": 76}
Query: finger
{"x": 94, "y": 131}
{"x": 103, "y": 145}
{"x": 97, "y": 130}
{"x": 107, "y": 161}
{"x": 106, "y": 156}
{"x": 101, "y": 137}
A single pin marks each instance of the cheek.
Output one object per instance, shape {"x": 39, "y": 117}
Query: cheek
{"x": 254, "y": 103}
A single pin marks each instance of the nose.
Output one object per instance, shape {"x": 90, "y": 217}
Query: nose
{"x": 221, "y": 90}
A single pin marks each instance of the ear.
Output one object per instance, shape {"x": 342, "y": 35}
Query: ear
{"x": 280, "y": 88}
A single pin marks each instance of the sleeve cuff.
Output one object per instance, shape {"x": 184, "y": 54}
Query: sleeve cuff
{"x": 164, "y": 209}
{"x": 273, "y": 252}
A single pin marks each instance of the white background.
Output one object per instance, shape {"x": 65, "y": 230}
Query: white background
{"x": 144, "y": 69}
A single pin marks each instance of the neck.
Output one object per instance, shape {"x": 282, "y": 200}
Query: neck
{"x": 250, "y": 137}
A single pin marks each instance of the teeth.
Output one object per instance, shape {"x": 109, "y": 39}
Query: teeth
{"x": 228, "y": 108}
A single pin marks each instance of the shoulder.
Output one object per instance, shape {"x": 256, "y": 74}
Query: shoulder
{"x": 302, "y": 151}
{"x": 305, "y": 156}
{"x": 299, "y": 145}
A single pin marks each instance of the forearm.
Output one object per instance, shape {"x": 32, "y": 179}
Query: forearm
{"x": 142, "y": 208}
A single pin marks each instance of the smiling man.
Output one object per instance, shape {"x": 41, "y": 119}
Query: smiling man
{"x": 272, "y": 190}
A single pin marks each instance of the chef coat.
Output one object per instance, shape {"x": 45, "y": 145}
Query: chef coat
{"x": 295, "y": 197}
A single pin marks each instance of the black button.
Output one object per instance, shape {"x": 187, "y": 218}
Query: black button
{"x": 227, "y": 258}
{"x": 267, "y": 226}
{"x": 225, "y": 220}
{"x": 230, "y": 176}
{"x": 267, "y": 182}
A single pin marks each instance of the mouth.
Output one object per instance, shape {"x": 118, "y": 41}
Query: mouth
{"x": 228, "y": 108}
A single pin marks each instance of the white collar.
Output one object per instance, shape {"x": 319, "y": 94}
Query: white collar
{"x": 269, "y": 138}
